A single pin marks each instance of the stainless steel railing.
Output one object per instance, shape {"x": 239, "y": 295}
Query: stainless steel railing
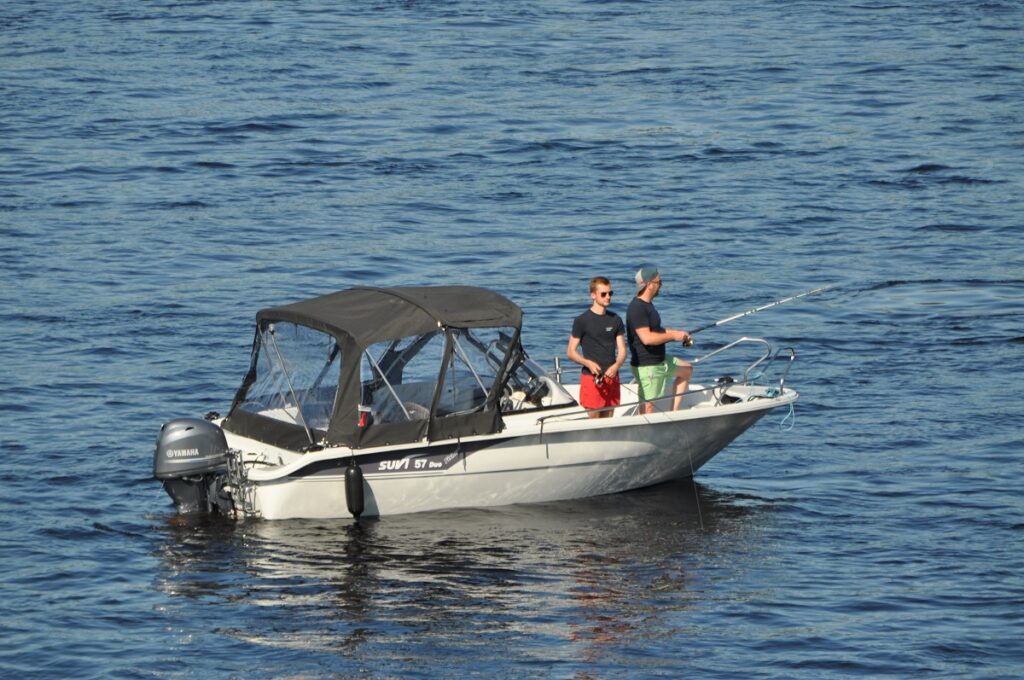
{"x": 764, "y": 361}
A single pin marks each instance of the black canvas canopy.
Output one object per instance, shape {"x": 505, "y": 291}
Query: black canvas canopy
{"x": 369, "y": 315}
{"x": 359, "y": 319}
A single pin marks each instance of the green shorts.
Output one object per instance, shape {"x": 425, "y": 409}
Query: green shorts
{"x": 654, "y": 380}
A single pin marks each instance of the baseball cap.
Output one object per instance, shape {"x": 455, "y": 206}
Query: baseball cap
{"x": 645, "y": 275}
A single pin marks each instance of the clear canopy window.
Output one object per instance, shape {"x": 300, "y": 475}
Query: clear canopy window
{"x": 400, "y": 378}
{"x": 296, "y": 375}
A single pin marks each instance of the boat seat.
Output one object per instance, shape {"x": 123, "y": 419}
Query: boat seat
{"x": 416, "y": 411}
{"x": 412, "y": 395}
{"x": 416, "y": 397}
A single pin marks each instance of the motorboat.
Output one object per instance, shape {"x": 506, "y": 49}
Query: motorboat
{"x": 382, "y": 401}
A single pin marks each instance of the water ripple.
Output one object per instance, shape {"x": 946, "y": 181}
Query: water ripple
{"x": 171, "y": 168}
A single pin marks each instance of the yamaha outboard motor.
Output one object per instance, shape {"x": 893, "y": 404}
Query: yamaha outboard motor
{"x": 191, "y": 460}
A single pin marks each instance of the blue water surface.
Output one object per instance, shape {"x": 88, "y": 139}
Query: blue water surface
{"x": 167, "y": 169}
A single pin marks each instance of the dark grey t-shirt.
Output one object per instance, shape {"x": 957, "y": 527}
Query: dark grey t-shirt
{"x": 597, "y": 333}
{"x": 642, "y": 314}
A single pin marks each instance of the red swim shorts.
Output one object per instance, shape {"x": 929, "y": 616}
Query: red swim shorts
{"x": 598, "y": 396}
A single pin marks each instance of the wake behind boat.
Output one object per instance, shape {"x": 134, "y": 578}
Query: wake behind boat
{"x": 383, "y": 401}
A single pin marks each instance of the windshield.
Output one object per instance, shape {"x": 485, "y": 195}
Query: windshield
{"x": 531, "y": 387}
{"x": 297, "y": 373}
{"x": 402, "y": 378}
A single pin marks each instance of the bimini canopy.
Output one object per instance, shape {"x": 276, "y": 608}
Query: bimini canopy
{"x": 378, "y": 366}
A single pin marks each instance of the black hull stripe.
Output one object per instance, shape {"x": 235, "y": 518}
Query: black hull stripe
{"x": 420, "y": 459}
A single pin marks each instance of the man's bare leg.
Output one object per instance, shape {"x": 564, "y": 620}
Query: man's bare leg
{"x": 682, "y": 382}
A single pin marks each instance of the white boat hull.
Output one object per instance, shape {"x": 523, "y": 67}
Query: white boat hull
{"x": 566, "y": 457}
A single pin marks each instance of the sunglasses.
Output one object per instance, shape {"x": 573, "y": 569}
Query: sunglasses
{"x": 607, "y": 294}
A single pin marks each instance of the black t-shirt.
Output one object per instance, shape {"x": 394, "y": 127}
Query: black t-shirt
{"x": 642, "y": 314}
{"x": 597, "y": 333}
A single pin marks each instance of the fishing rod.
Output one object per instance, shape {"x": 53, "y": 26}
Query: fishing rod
{"x": 727, "y": 319}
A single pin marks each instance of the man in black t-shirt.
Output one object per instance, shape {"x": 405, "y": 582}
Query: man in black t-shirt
{"x": 600, "y": 333}
{"x": 647, "y": 339}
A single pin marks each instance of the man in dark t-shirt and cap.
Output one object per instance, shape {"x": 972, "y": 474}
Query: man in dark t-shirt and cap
{"x": 647, "y": 339}
{"x": 600, "y": 333}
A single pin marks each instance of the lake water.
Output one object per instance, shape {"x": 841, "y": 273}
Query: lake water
{"x": 167, "y": 169}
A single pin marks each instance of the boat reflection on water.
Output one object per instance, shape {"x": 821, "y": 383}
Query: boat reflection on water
{"x": 572, "y": 577}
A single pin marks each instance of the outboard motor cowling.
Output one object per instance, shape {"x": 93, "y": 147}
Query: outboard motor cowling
{"x": 191, "y": 461}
